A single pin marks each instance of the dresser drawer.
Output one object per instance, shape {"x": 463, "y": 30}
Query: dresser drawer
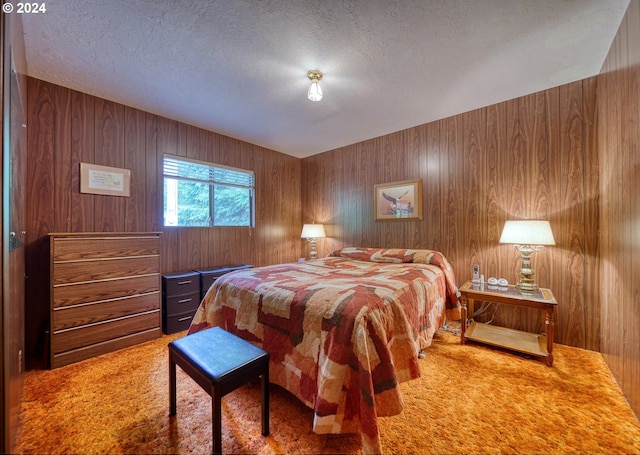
{"x": 180, "y": 284}
{"x": 178, "y": 322}
{"x": 180, "y": 304}
{"x": 208, "y": 276}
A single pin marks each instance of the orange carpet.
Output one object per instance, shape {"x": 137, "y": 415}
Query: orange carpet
{"x": 470, "y": 399}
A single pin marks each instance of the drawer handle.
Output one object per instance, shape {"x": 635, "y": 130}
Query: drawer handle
{"x": 182, "y": 301}
{"x": 184, "y": 282}
{"x": 184, "y": 318}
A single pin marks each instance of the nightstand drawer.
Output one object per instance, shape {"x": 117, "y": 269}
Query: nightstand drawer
{"x": 178, "y": 322}
{"x": 180, "y": 304}
{"x": 180, "y": 284}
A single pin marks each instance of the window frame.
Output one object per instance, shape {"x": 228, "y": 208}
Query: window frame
{"x": 249, "y": 184}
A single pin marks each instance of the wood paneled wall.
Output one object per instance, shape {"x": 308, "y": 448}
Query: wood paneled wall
{"x": 619, "y": 148}
{"x": 533, "y": 157}
{"x": 66, "y": 128}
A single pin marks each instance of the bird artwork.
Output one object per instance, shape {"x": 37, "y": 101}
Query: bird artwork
{"x": 398, "y": 207}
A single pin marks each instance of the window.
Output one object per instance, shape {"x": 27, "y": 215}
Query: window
{"x": 203, "y": 194}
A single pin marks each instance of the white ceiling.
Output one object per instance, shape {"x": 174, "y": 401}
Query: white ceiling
{"x": 238, "y": 67}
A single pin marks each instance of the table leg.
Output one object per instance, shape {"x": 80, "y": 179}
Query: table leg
{"x": 549, "y": 324}
{"x": 463, "y": 323}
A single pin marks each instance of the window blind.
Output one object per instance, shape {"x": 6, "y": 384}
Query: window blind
{"x": 196, "y": 171}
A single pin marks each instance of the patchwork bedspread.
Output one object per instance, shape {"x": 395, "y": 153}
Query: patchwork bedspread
{"x": 342, "y": 331}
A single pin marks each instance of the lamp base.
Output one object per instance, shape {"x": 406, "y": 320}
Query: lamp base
{"x": 526, "y": 285}
{"x": 314, "y": 253}
{"x": 527, "y": 288}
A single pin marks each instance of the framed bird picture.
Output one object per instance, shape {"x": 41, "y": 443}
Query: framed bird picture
{"x": 398, "y": 200}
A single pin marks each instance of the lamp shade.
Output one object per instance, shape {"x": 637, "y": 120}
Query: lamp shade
{"x": 312, "y": 231}
{"x": 527, "y": 232}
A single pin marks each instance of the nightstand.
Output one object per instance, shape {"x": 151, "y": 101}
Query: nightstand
{"x": 540, "y": 345}
{"x": 180, "y": 299}
{"x": 208, "y": 276}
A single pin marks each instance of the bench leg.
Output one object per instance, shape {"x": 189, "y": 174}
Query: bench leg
{"x": 172, "y": 386}
{"x": 265, "y": 401}
{"x": 216, "y": 421}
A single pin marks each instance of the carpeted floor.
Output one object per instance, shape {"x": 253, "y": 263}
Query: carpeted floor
{"x": 470, "y": 399}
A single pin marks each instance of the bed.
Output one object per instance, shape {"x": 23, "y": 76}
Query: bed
{"x": 342, "y": 331}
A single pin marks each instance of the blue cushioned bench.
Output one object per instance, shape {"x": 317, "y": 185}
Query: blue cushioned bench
{"x": 219, "y": 362}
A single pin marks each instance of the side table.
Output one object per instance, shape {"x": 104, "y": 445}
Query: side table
{"x": 540, "y": 345}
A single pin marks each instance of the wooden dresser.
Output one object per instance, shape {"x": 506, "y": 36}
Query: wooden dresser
{"x": 105, "y": 293}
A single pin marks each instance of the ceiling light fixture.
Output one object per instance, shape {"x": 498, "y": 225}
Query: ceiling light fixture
{"x": 315, "y": 92}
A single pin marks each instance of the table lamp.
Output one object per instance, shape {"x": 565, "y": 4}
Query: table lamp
{"x": 528, "y": 236}
{"x": 312, "y": 232}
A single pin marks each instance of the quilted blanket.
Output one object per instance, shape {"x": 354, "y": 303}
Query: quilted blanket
{"x": 342, "y": 331}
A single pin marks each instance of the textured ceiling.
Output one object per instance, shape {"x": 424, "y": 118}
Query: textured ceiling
{"x": 238, "y": 67}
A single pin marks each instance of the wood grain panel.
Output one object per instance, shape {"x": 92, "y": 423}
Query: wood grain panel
{"x": 514, "y": 167}
{"x": 571, "y": 221}
{"x": 433, "y": 187}
{"x": 494, "y": 220}
{"x": 82, "y": 151}
{"x": 135, "y": 133}
{"x": 109, "y": 140}
{"x": 474, "y": 229}
{"x": 152, "y": 177}
{"x": 415, "y": 165}
{"x": 592, "y": 215}
{"x": 452, "y": 168}
{"x": 63, "y": 175}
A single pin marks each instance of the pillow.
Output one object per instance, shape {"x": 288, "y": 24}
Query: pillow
{"x": 375, "y": 255}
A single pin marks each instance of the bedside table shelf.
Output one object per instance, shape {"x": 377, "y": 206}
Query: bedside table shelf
{"x": 525, "y": 342}
{"x": 521, "y": 341}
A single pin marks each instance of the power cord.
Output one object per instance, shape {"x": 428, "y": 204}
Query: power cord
{"x": 485, "y": 308}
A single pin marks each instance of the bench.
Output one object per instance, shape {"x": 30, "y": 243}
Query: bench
{"x": 219, "y": 362}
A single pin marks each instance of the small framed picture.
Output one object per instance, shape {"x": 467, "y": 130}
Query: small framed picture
{"x": 104, "y": 180}
{"x": 398, "y": 200}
